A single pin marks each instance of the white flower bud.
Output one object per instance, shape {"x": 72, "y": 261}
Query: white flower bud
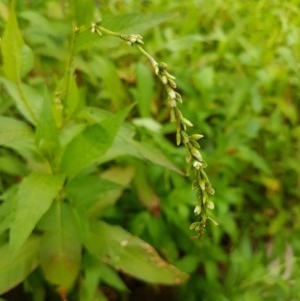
{"x": 210, "y": 205}
{"x": 197, "y": 210}
{"x": 197, "y": 164}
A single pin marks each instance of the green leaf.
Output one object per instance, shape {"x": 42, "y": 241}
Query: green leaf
{"x": 88, "y": 146}
{"x": 12, "y": 43}
{"x": 6, "y": 208}
{"x": 60, "y": 246}
{"x": 135, "y": 23}
{"x": 146, "y": 193}
{"x": 10, "y": 164}
{"x": 83, "y": 11}
{"x": 27, "y": 59}
{"x": 247, "y": 154}
{"x": 144, "y": 92}
{"x": 35, "y": 195}
{"x": 111, "y": 82}
{"x": 124, "y": 144}
{"x": 28, "y": 101}
{"x": 14, "y": 269}
{"x": 73, "y": 98}
{"x": 13, "y": 130}
{"x": 86, "y": 190}
{"x": 95, "y": 272}
{"x": 110, "y": 277}
{"x": 131, "y": 255}
{"x": 46, "y": 131}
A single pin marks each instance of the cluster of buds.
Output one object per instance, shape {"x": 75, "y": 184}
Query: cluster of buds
{"x": 195, "y": 162}
{"x": 95, "y": 27}
{"x": 132, "y": 39}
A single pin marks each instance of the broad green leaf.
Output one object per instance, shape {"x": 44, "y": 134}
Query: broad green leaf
{"x": 10, "y": 164}
{"x": 135, "y": 23}
{"x": 124, "y": 144}
{"x": 90, "y": 145}
{"x": 28, "y": 101}
{"x": 111, "y": 82}
{"x": 131, "y": 255}
{"x": 85, "y": 148}
{"x": 39, "y": 23}
{"x": 239, "y": 97}
{"x": 27, "y": 59}
{"x": 146, "y": 193}
{"x": 121, "y": 176}
{"x": 6, "y": 208}
{"x": 13, "y": 130}
{"x": 95, "y": 272}
{"x": 86, "y": 190}
{"x": 34, "y": 197}
{"x": 14, "y": 269}
{"x": 46, "y": 131}
{"x": 73, "y": 97}
{"x": 247, "y": 154}
{"x": 110, "y": 277}
{"x": 83, "y": 11}
{"x": 144, "y": 92}
{"x": 60, "y": 246}
{"x": 12, "y": 43}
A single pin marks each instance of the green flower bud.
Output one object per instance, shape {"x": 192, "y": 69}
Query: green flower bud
{"x": 186, "y": 122}
{"x": 172, "y": 83}
{"x": 197, "y": 210}
{"x": 213, "y": 221}
{"x": 209, "y": 189}
{"x": 171, "y": 93}
{"x": 196, "y": 137}
{"x": 164, "y": 79}
{"x": 194, "y": 225}
{"x": 172, "y": 102}
{"x": 196, "y": 154}
{"x": 178, "y": 97}
{"x": 162, "y": 66}
{"x": 210, "y": 205}
{"x": 197, "y": 165}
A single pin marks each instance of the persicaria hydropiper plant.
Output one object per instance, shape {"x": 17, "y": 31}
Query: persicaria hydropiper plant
{"x": 195, "y": 163}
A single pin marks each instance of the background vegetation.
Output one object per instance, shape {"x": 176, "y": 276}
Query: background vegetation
{"x": 237, "y": 67}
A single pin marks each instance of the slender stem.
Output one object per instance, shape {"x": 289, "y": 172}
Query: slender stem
{"x": 151, "y": 59}
{"x": 107, "y": 31}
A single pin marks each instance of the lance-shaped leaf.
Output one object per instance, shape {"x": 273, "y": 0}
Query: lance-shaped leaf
{"x": 88, "y": 146}
{"x": 34, "y": 198}
{"x": 73, "y": 97}
{"x": 28, "y": 101}
{"x": 131, "y": 255}
{"x": 60, "y": 247}
{"x": 12, "y": 43}
{"x": 46, "y": 131}
{"x": 13, "y": 130}
{"x": 14, "y": 269}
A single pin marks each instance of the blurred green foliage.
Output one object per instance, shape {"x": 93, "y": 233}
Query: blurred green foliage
{"x": 237, "y": 67}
